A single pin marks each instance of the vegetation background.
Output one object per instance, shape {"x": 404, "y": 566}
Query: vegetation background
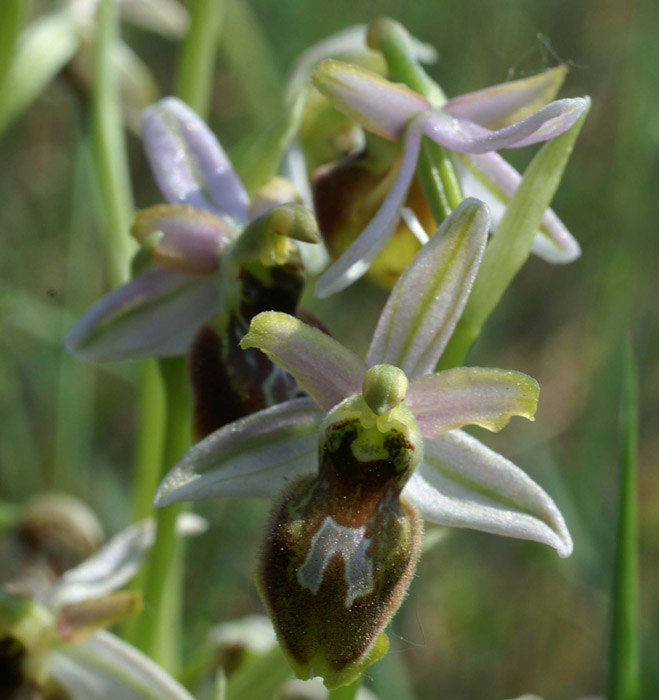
{"x": 486, "y": 618}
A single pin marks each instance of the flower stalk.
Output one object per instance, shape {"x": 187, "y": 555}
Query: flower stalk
{"x": 158, "y": 629}
{"x": 436, "y": 172}
{"x": 624, "y": 676}
{"x": 194, "y": 76}
{"x": 110, "y": 148}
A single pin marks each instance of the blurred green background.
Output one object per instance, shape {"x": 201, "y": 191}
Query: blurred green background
{"x": 486, "y": 618}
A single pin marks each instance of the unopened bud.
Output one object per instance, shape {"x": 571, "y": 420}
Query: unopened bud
{"x": 60, "y": 528}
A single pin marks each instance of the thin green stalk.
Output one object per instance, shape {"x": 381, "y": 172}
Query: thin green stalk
{"x": 347, "y": 692}
{"x": 194, "y": 77}
{"x": 108, "y": 136}
{"x": 260, "y": 677}
{"x": 151, "y": 420}
{"x": 74, "y": 415}
{"x": 158, "y": 631}
{"x": 436, "y": 172}
{"x": 112, "y": 174}
{"x": 624, "y": 680}
{"x": 11, "y": 21}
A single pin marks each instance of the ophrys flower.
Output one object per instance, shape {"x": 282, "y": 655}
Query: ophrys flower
{"x": 476, "y": 125}
{"x": 344, "y": 536}
{"x": 211, "y": 258}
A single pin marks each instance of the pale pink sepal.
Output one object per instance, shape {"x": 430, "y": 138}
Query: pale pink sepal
{"x": 254, "y": 456}
{"x": 188, "y": 163}
{"x": 189, "y": 240}
{"x": 463, "y": 483}
{"x": 426, "y": 303}
{"x": 157, "y": 314}
{"x": 468, "y": 137}
{"x": 504, "y": 104}
{"x": 116, "y": 562}
{"x": 380, "y": 106}
{"x": 471, "y": 396}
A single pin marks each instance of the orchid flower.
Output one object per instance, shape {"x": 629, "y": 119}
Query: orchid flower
{"x": 476, "y": 125}
{"x": 212, "y": 254}
{"x": 56, "y": 640}
{"x": 403, "y": 418}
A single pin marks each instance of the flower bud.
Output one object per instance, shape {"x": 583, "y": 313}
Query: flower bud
{"x": 342, "y": 547}
{"x": 54, "y": 532}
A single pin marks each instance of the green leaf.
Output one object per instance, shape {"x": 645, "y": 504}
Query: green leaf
{"x": 510, "y": 247}
{"x": 43, "y": 49}
{"x": 624, "y": 681}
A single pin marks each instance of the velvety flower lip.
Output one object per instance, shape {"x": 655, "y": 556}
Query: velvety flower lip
{"x": 511, "y": 115}
{"x": 159, "y": 312}
{"x": 459, "y": 482}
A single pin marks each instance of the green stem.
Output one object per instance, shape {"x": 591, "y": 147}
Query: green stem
{"x": 194, "y": 77}
{"x": 347, "y": 692}
{"x": 109, "y": 143}
{"x": 436, "y": 171}
{"x": 74, "y": 414}
{"x": 158, "y": 633}
{"x": 11, "y": 21}
{"x": 624, "y": 681}
{"x": 151, "y": 420}
{"x": 158, "y": 630}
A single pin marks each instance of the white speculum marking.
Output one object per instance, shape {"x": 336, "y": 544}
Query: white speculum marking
{"x": 352, "y": 545}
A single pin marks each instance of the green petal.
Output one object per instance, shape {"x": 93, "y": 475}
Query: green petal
{"x": 323, "y": 367}
{"x": 471, "y": 396}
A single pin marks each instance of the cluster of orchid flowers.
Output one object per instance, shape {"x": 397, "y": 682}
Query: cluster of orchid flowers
{"x": 355, "y": 451}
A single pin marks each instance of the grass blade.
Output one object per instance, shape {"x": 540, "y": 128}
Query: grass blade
{"x": 623, "y": 661}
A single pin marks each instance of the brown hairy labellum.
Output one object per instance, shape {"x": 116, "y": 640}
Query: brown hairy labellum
{"x": 342, "y": 547}
{"x": 229, "y": 383}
